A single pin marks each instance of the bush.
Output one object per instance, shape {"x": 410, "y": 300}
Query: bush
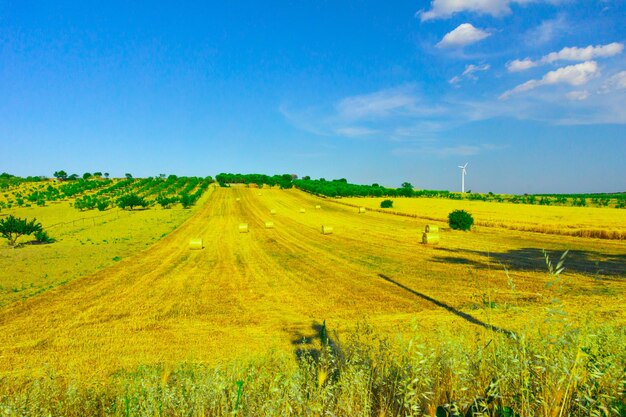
{"x": 43, "y": 237}
{"x": 102, "y": 204}
{"x": 460, "y": 220}
{"x": 386, "y": 204}
{"x": 12, "y": 228}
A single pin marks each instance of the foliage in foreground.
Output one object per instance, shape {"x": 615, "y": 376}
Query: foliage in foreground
{"x": 578, "y": 373}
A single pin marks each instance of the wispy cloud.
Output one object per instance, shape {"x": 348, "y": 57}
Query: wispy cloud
{"x": 614, "y": 83}
{"x": 568, "y": 54}
{"x": 441, "y": 9}
{"x": 578, "y": 95}
{"x": 547, "y": 31}
{"x": 465, "y": 34}
{"x": 469, "y": 73}
{"x": 380, "y": 104}
{"x": 356, "y": 131}
{"x": 575, "y": 75}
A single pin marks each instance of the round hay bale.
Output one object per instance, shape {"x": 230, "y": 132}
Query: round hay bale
{"x": 361, "y": 210}
{"x": 238, "y": 199}
{"x": 430, "y": 238}
{"x": 431, "y": 228}
{"x": 195, "y": 244}
{"x": 302, "y": 210}
{"x": 269, "y": 225}
{"x": 318, "y": 207}
{"x": 272, "y": 211}
{"x": 243, "y": 228}
{"x": 327, "y": 230}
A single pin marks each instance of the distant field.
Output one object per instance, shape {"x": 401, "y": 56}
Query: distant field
{"x": 605, "y": 222}
{"x": 87, "y": 241}
{"x": 245, "y": 294}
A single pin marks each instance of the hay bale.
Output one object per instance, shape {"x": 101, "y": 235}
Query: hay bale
{"x": 260, "y": 194}
{"x": 195, "y": 244}
{"x": 430, "y": 238}
{"x": 302, "y": 210}
{"x": 272, "y": 211}
{"x": 243, "y": 228}
{"x": 327, "y": 230}
{"x": 318, "y": 207}
{"x": 269, "y": 225}
{"x": 361, "y": 210}
{"x": 431, "y": 228}
{"x": 238, "y": 199}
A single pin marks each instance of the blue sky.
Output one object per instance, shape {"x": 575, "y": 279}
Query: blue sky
{"x": 531, "y": 93}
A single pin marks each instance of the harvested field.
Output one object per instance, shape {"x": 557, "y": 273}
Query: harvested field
{"x": 246, "y": 294}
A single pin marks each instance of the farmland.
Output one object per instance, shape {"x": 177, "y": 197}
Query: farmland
{"x": 70, "y": 309}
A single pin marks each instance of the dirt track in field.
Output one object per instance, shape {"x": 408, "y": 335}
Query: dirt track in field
{"x": 247, "y": 293}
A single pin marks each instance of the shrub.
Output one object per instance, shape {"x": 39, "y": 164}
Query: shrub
{"x": 12, "y": 228}
{"x": 43, "y": 237}
{"x": 460, "y": 220}
{"x": 102, "y": 204}
{"x": 386, "y": 204}
{"x": 186, "y": 200}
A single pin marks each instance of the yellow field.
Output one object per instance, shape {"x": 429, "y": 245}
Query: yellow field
{"x": 247, "y": 293}
{"x": 86, "y": 242}
{"x": 608, "y": 223}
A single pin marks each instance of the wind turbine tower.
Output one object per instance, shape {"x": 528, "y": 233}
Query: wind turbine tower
{"x": 463, "y": 172}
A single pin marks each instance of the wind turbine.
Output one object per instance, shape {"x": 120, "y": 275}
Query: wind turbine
{"x": 463, "y": 172}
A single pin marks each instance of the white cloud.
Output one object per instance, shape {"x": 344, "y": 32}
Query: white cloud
{"x": 469, "y": 72}
{"x": 615, "y": 82}
{"x": 584, "y": 54}
{"x": 575, "y": 75}
{"x": 464, "y": 34}
{"x": 520, "y": 65}
{"x": 577, "y": 95}
{"x": 569, "y": 54}
{"x": 445, "y": 8}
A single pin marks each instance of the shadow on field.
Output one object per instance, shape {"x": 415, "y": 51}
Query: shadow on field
{"x": 464, "y": 316}
{"x": 311, "y": 345}
{"x": 532, "y": 259}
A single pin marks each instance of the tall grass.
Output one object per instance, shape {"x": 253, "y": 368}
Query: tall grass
{"x": 578, "y": 372}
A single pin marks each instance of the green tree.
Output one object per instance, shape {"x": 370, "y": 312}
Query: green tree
{"x": 106, "y": 175}
{"x": 407, "y": 189}
{"x": 60, "y": 175}
{"x": 460, "y": 220}
{"x": 12, "y": 228}
{"x": 131, "y": 201}
{"x": 128, "y": 176}
{"x": 86, "y": 175}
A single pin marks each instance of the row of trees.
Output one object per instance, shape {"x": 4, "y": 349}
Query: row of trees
{"x": 61, "y": 175}
{"x": 283, "y": 181}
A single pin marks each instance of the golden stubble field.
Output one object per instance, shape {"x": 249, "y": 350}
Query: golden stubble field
{"x": 246, "y": 294}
